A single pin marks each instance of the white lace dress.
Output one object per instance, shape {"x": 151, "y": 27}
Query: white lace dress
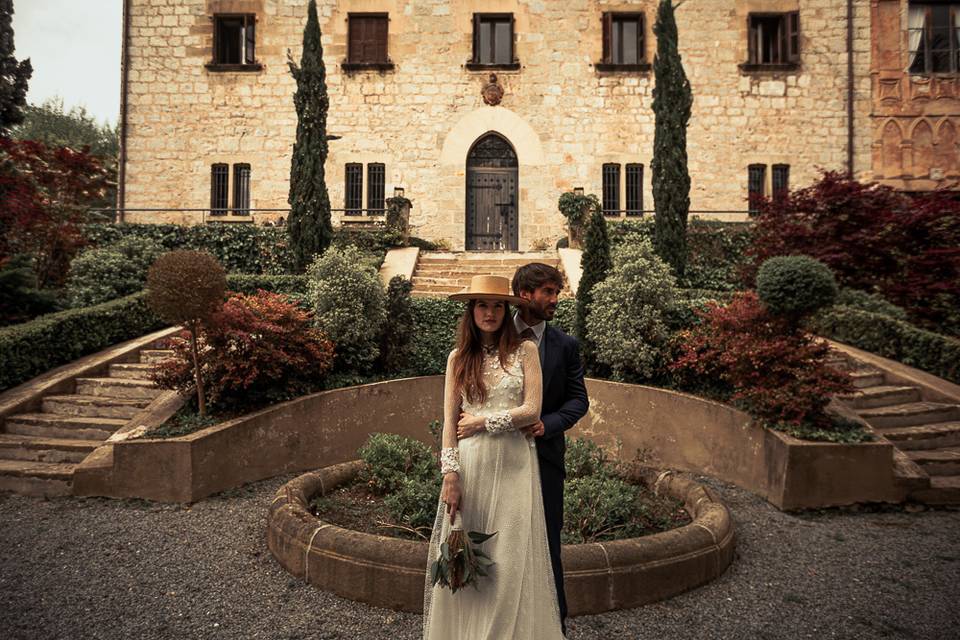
{"x": 500, "y": 479}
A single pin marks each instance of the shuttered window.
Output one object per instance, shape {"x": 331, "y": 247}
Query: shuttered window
{"x": 756, "y": 179}
{"x": 234, "y": 39}
{"x": 493, "y": 38}
{"x": 780, "y": 176}
{"x": 353, "y": 190}
{"x": 623, "y": 42}
{"x": 219, "y": 175}
{"x": 611, "y": 189}
{"x": 241, "y": 189}
{"x": 375, "y": 187}
{"x": 773, "y": 38}
{"x": 367, "y": 38}
{"x": 634, "y": 189}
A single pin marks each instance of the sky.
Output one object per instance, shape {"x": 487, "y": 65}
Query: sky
{"x": 74, "y": 47}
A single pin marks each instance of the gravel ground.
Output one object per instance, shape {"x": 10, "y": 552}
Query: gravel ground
{"x": 97, "y": 568}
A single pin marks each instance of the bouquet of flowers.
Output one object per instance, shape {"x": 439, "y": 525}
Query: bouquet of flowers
{"x": 460, "y": 563}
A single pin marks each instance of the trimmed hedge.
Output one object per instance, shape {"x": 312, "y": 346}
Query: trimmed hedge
{"x": 35, "y": 347}
{"x": 436, "y": 325}
{"x": 890, "y": 338}
{"x": 249, "y": 283}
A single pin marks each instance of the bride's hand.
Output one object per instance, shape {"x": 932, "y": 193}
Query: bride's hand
{"x": 469, "y": 425}
{"x": 450, "y": 493}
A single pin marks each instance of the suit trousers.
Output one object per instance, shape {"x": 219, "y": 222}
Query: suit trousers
{"x": 551, "y": 483}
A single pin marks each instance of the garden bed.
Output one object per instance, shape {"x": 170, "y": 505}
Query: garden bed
{"x": 601, "y": 576}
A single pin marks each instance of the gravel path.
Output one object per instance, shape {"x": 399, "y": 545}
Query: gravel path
{"x": 97, "y": 568}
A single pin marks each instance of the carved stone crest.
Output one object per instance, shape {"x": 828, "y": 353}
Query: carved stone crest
{"x": 492, "y": 92}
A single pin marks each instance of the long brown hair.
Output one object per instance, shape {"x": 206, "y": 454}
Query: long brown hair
{"x": 468, "y": 363}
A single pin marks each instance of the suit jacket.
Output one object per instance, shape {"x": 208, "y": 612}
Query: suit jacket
{"x": 564, "y": 393}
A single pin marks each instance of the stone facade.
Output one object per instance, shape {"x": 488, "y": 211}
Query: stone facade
{"x": 564, "y": 117}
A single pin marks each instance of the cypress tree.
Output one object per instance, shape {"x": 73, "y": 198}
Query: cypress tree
{"x": 596, "y": 263}
{"x": 14, "y": 75}
{"x": 309, "y": 227}
{"x": 672, "y": 100}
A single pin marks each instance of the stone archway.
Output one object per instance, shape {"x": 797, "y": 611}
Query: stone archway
{"x": 492, "y": 205}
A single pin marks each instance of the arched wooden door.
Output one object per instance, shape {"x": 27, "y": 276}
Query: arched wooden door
{"x": 492, "y": 213}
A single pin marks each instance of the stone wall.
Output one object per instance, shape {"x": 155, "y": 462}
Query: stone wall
{"x": 564, "y": 117}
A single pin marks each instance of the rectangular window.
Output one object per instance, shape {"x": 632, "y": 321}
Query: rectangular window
{"x": 780, "y": 175}
{"x": 773, "y": 38}
{"x": 367, "y": 38}
{"x": 375, "y": 187}
{"x": 241, "y": 189}
{"x": 634, "y": 189}
{"x": 219, "y": 175}
{"x": 933, "y": 35}
{"x": 623, "y": 38}
{"x": 756, "y": 179}
{"x": 353, "y": 193}
{"x": 611, "y": 189}
{"x": 493, "y": 38}
{"x": 233, "y": 39}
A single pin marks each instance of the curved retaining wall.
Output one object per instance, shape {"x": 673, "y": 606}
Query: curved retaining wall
{"x": 602, "y": 576}
{"x": 675, "y": 431}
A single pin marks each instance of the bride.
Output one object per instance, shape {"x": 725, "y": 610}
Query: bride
{"x": 491, "y": 475}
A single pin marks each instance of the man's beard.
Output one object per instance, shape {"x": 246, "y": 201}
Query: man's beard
{"x": 542, "y": 313}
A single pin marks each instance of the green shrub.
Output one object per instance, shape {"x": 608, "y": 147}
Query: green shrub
{"x": 110, "y": 272}
{"x": 34, "y": 347}
{"x": 399, "y": 328}
{"x": 565, "y": 315}
{"x": 414, "y": 503}
{"x": 890, "y": 338}
{"x": 20, "y": 299}
{"x": 436, "y": 322}
{"x": 795, "y": 285}
{"x": 348, "y": 301}
{"x": 599, "y": 507}
{"x": 584, "y": 458}
{"x": 871, "y": 302}
{"x": 628, "y": 314}
{"x": 392, "y": 459}
{"x": 251, "y": 283}
{"x": 683, "y": 314}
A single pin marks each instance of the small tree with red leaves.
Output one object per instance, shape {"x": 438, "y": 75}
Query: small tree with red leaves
{"x": 256, "y": 349}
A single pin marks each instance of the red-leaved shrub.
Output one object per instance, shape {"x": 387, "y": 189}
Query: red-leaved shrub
{"x": 759, "y": 362}
{"x": 874, "y": 239}
{"x": 257, "y": 349}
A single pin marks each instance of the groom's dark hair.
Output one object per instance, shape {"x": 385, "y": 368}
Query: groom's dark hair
{"x": 531, "y": 277}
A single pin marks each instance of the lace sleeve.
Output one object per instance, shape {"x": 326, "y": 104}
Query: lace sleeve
{"x": 528, "y": 412}
{"x": 451, "y": 406}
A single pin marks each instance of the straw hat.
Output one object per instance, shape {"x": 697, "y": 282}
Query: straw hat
{"x": 488, "y": 288}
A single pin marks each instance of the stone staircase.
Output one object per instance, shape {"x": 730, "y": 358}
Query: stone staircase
{"x": 926, "y": 434}
{"x": 440, "y": 274}
{"x": 39, "y": 451}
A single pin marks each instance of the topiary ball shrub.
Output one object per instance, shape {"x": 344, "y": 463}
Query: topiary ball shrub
{"x": 391, "y": 460}
{"x": 795, "y": 285}
{"x": 349, "y": 305}
{"x": 110, "y": 272}
{"x": 184, "y": 286}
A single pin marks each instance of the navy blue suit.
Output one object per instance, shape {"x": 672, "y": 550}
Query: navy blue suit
{"x": 564, "y": 402}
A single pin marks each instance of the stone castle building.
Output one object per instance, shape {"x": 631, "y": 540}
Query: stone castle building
{"x": 484, "y": 112}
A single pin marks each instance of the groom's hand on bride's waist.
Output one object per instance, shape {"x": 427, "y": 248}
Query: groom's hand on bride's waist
{"x": 534, "y": 430}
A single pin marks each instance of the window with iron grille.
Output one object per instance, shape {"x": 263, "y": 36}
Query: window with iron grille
{"x": 623, "y": 42}
{"x": 353, "y": 193}
{"x": 219, "y": 175}
{"x": 367, "y": 38}
{"x": 375, "y": 187}
{"x": 780, "y": 176}
{"x": 634, "y": 189}
{"x": 611, "y": 189}
{"x": 493, "y": 39}
{"x": 234, "y": 39}
{"x": 241, "y": 189}
{"x": 933, "y": 37}
{"x": 773, "y": 38}
{"x": 756, "y": 178}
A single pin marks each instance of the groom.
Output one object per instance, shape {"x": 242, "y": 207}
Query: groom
{"x": 564, "y": 396}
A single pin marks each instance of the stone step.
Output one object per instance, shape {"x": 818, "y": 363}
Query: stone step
{"x": 118, "y": 388}
{"x": 943, "y": 490}
{"x": 910, "y": 414}
{"x": 867, "y": 378}
{"x": 924, "y": 436}
{"x": 881, "y": 396}
{"x": 21, "y": 447}
{"x": 938, "y": 462}
{"x": 98, "y": 406}
{"x": 152, "y": 356}
{"x": 137, "y": 371}
{"x": 28, "y": 477}
{"x": 51, "y": 425}
{"x": 439, "y": 288}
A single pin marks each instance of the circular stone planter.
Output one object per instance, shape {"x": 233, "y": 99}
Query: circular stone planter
{"x": 601, "y": 576}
